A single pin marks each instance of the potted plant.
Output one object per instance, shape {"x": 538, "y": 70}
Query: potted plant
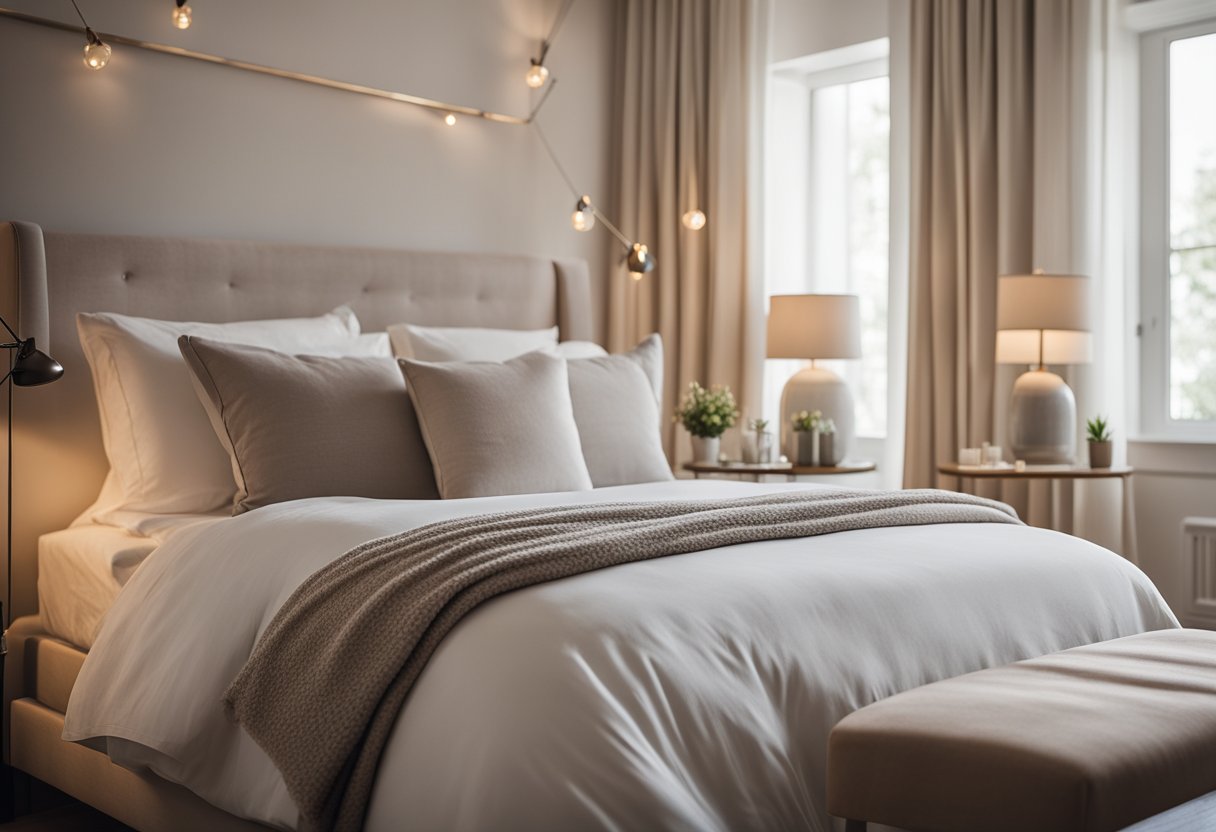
{"x": 757, "y": 442}
{"x": 829, "y": 452}
{"x": 706, "y": 414}
{"x": 1100, "y": 446}
{"x": 806, "y": 430}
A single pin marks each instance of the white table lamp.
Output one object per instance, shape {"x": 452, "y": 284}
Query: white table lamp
{"x": 1043, "y": 319}
{"x": 815, "y": 327}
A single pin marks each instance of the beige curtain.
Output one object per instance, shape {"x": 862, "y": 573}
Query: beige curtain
{"x": 690, "y": 79}
{"x": 998, "y": 185}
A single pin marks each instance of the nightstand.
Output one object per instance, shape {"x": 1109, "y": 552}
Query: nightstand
{"x": 1067, "y": 473}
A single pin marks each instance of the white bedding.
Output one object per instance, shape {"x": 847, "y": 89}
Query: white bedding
{"x": 80, "y": 572}
{"x": 82, "y": 569}
{"x": 694, "y": 691}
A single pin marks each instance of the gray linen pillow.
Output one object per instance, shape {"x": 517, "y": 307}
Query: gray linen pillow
{"x": 495, "y": 429}
{"x": 616, "y": 408}
{"x": 299, "y": 426}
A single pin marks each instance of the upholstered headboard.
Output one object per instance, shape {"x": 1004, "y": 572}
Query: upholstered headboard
{"x": 45, "y": 279}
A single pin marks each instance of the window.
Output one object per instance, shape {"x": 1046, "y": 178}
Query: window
{"x": 827, "y": 163}
{"x": 1178, "y": 232}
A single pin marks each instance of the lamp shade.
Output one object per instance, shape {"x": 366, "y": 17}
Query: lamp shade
{"x": 33, "y": 367}
{"x": 1043, "y": 301}
{"x": 1043, "y": 319}
{"x": 814, "y": 326}
{"x": 1060, "y": 346}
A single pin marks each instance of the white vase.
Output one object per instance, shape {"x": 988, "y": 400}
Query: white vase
{"x": 705, "y": 449}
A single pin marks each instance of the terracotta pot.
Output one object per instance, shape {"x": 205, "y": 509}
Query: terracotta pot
{"x": 1100, "y": 454}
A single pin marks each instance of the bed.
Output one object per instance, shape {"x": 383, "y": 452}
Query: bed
{"x": 693, "y": 691}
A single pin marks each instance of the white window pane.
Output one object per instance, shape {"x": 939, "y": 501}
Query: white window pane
{"x": 869, "y": 180}
{"x": 827, "y": 179}
{"x": 1193, "y": 334}
{"x": 1192, "y": 178}
{"x": 1193, "y": 142}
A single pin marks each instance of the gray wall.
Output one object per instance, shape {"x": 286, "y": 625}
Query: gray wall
{"x": 159, "y": 145}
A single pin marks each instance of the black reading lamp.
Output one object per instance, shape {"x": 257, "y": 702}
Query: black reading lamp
{"x": 28, "y": 366}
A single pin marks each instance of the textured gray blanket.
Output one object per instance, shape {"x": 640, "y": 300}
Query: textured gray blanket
{"x": 323, "y": 686}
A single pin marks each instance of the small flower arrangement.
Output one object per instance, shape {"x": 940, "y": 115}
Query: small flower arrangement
{"x": 827, "y": 426}
{"x": 707, "y": 413}
{"x": 807, "y": 420}
{"x": 758, "y": 425}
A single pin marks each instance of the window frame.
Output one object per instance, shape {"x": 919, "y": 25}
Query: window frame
{"x": 839, "y": 67}
{"x": 1155, "y": 244}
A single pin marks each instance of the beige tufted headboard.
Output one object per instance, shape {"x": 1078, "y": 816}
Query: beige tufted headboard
{"x": 58, "y": 460}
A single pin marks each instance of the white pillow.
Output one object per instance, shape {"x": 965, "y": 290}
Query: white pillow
{"x": 616, "y": 408}
{"x": 580, "y": 349}
{"x": 457, "y": 343}
{"x": 367, "y": 344}
{"x": 164, "y": 456}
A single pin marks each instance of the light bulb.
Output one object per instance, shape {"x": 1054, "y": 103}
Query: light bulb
{"x": 182, "y": 15}
{"x": 96, "y": 51}
{"x": 450, "y": 119}
{"x": 693, "y": 220}
{"x": 639, "y": 261}
{"x": 537, "y": 75}
{"x": 583, "y": 218}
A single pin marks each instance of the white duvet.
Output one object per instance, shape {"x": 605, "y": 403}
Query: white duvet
{"x": 689, "y": 692}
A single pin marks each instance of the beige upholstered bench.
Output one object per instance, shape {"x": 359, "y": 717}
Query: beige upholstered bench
{"x": 1094, "y": 738}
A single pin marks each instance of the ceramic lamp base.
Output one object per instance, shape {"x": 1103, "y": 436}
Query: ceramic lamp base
{"x": 1043, "y": 419}
{"x": 815, "y": 388}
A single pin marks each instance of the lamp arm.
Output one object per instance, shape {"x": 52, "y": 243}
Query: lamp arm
{"x": 15, "y": 336}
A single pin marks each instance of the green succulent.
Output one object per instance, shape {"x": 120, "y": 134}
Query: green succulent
{"x": 1098, "y": 429}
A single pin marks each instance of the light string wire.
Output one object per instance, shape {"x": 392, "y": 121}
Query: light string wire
{"x": 544, "y": 140}
{"x": 557, "y": 24}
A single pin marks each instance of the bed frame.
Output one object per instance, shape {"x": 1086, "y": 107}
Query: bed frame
{"x": 58, "y": 458}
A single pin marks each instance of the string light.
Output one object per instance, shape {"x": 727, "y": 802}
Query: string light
{"x": 183, "y": 15}
{"x": 693, "y": 220}
{"x": 639, "y": 261}
{"x": 583, "y": 218}
{"x": 638, "y": 258}
{"x": 537, "y": 75}
{"x": 96, "y": 52}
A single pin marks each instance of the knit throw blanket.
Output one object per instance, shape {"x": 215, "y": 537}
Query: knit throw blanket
{"x": 324, "y": 684}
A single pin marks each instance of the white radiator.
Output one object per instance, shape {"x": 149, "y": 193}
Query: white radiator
{"x": 1199, "y": 555}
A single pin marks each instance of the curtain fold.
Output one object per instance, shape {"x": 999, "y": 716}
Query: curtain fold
{"x": 999, "y": 185}
{"x": 690, "y": 79}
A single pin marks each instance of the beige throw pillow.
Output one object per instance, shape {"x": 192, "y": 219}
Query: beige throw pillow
{"x": 299, "y": 426}
{"x": 616, "y": 408}
{"x": 495, "y": 429}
